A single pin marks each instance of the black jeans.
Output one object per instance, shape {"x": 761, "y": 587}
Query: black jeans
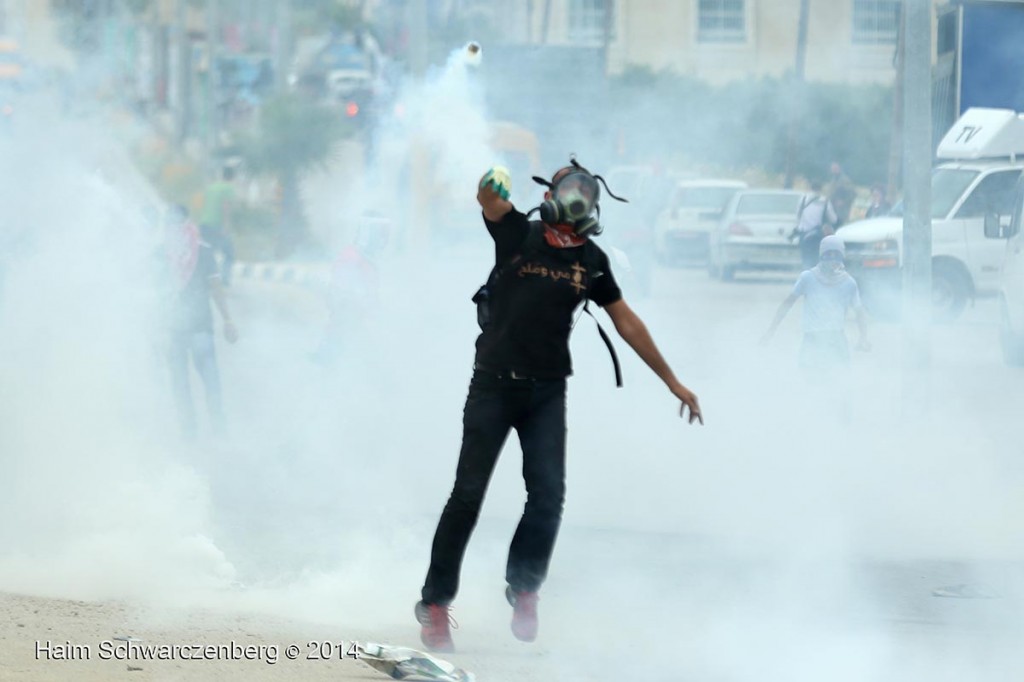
{"x": 495, "y": 405}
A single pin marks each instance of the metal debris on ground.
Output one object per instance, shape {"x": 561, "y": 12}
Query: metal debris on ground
{"x": 964, "y": 591}
{"x": 400, "y": 663}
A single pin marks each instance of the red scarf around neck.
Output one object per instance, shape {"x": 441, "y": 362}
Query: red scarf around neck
{"x": 562, "y": 236}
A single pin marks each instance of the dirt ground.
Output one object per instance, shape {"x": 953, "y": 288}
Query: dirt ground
{"x": 87, "y": 642}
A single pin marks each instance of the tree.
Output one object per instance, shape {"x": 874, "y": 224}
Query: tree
{"x": 293, "y": 137}
{"x": 316, "y": 16}
{"x": 747, "y": 124}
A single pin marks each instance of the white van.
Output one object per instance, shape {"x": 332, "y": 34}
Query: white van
{"x": 1011, "y": 328}
{"x": 980, "y": 167}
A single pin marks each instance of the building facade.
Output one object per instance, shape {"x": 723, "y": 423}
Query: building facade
{"x": 715, "y": 40}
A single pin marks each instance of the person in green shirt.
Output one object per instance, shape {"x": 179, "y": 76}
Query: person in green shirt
{"x": 216, "y": 220}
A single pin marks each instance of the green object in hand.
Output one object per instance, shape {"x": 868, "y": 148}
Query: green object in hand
{"x": 500, "y": 180}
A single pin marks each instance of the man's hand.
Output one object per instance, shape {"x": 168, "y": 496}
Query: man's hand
{"x": 493, "y": 192}
{"x": 230, "y": 331}
{"x": 689, "y": 399}
{"x": 498, "y": 181}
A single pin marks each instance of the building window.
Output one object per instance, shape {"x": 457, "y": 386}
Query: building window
{"x": 588, "y": 20}
{"x": 876, "y": 22}
{"x": 721, "y": 21}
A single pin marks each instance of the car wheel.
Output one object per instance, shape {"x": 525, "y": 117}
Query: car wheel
{"x": 1012, "y": 343}
{"x": 950, "y": 291}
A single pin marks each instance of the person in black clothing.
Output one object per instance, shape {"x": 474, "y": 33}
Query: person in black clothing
{"x": 816, "y": 219}
{"x": 547, "y": 269}
{"x": 192, "y": 281}
{"x": 842, "y": 193}
{"x": 878, "y": 206}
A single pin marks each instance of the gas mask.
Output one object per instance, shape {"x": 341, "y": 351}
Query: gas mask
{"x": 574, "y": 200}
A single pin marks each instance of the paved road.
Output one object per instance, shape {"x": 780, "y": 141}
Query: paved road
{"x": 800, "y": 533}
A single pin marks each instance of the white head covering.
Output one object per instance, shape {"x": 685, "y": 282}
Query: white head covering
{"x": 833, "y": 272}
{"x": 833, "y": 242}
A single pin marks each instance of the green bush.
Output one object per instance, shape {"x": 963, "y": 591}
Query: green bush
{"x": 747, "y": 124}
{"x": 293, "y": 137}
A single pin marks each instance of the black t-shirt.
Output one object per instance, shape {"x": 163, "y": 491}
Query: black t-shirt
{"x": 533, "y": 301}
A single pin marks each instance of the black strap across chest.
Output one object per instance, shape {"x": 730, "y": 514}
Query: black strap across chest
{"x": 532, "y": 245}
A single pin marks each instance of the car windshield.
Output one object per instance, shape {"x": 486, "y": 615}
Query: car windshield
{"x": 1019, "y": 212}
{"x": 704, "y": 198}
{"x": 768, "y": 204}
{"x": 948, "y": 185}
{"x": 342, "y": 56}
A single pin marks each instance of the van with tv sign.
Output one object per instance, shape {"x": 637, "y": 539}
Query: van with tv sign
{"x": 979, "y": 164}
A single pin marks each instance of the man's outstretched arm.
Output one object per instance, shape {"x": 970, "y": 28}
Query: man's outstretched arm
{"x": 633, "y": 330}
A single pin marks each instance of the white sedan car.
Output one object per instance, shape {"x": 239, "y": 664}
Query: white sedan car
{"x": 754, "y": 233}
{"x": 682, "y": 230}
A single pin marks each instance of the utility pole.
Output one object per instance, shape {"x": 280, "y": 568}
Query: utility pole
{"x": 283, "y": 57}
{"x": 797, "y": 94}
{"x": 182, "y": 103}
{"x": 418, "y": 45}
{"x": 607, "y": 28}
{"x": 545, "y": 23}
{"x": 895, "y": 173}
{"x": 601, "y": 121}
{"x": 419, "y": 160}
{"x": 212, "y": 81}
{"x": 801, "y": 39}
{"x": 157, "y": 85}
{"x": 917, "y": 221}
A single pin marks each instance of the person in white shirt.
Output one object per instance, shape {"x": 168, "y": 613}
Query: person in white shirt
{"x": 816, "y": 219}
{"x": 829, "y": 292}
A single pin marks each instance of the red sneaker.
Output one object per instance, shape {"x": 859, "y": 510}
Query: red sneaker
{"x": 435, "y": 633}
{"x": 524, "y": 614}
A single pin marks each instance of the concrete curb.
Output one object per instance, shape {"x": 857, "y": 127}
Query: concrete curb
{"x": 301, "y": 274}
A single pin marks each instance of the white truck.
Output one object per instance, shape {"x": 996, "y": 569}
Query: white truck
{"x": 1011, "y": 328}
{"x": 980, "y": 162}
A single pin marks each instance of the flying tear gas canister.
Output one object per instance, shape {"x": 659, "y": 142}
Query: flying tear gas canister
{"x": 473, "y": 53}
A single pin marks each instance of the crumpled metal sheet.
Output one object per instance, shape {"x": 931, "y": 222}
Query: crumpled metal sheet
{"x": 400, "y": 663}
